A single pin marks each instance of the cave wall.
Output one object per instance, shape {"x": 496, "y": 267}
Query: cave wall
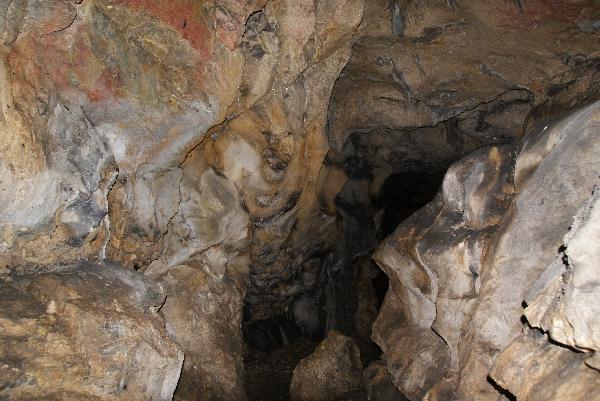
{"x": 181, "y": 139}
{"x": 230, "y": 151}
{"x": 510, "y": 234}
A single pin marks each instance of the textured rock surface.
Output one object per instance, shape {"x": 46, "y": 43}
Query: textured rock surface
{"x": 84, "y": 332}
{"x": 462, "y": 267}
{"x": 176, "y": 135}
{"x": 332, "y": 372}
{"x": 427, "y": 83}
{"x": 211, "y": 146}
{"x": 378, "y": 383}
{"x": 203, "y": 316}
{"x": 563, "y": 303}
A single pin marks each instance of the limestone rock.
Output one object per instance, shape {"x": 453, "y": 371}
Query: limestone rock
{"x": 461, "y": 268}
{"x": 332, "y": 372}
{"x": 90, "y": 100}
{"x": 429, "y": 82}
{"x": 84, "y": 332}
{"x": 173, "y": 136}
{"x": 562, "y": 303}
{"x": 532, "y": 368}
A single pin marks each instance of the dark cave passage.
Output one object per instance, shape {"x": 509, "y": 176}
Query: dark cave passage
{"x": 347, "y": 299}
{"x": 403, "y": 194}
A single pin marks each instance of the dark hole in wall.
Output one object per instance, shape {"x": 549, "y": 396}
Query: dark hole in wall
{"x": 403, "y": 194}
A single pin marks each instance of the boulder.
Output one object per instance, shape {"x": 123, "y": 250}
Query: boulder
{"x": 332, "y": 372}
{"x": 85, "y": 332}
{"x": 512, "y": 227}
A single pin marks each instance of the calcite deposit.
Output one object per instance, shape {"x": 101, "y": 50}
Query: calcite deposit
{"x": 177, "y": 176}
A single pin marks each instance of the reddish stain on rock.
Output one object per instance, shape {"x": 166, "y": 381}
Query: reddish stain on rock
{"x": 183, "y": 15}
{"x": 534, "y": 12}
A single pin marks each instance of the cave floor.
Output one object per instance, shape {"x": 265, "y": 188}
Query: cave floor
{"x": 268, "y": 374}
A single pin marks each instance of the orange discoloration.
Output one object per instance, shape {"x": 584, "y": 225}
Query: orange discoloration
{"x": 183, "y": 15}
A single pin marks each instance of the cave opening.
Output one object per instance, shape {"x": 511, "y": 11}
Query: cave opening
{"x": 351, "y": 288}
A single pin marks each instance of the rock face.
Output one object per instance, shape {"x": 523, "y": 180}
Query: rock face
{"x": 332, "y": 372}
{"x": 500, "y": 235}
{"x": 202, "y": 315}
{"x": 563, "y": 303}
{"x": 429, "y": 82}
{"x": 440, "y": 79}
{"x": 84, "y": 332}
{"x": 182, "y": 139}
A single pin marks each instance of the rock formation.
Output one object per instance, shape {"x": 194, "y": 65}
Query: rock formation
{"x": 493, "y": 246}
{"x": 85, "y": 332}
{"x": 332, "y": 372}
{"x": 178, "y": 174}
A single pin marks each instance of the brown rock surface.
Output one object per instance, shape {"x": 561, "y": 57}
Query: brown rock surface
{"x": 430, "y": 81}
{"x": 84, "y": 332}
{"x": 332, "y": 372}
{"x": 235, "y": 151}
{"x": 112, "y": 101}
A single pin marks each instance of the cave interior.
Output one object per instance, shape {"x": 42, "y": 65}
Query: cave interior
{"x": 313, "y": 200}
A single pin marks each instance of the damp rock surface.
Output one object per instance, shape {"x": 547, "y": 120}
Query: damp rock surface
{"x": 84, "y": 332}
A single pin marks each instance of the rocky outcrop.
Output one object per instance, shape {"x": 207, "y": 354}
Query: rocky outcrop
{"x": 210, "y": 147}
{"x": 84, "y": 332}
{"x": 332, "y": 372}
{"x": 497, "y": 238}
{"x": 428, "y": 83}
{"x": 562, "y": 307}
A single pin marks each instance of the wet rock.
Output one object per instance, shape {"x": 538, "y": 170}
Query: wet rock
{"x": 84, "y": 331}
{"x": 332, "y": 372}
{"x": 463, "y": 267}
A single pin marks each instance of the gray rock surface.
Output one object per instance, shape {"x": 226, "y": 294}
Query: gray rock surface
{"x": 493, "y": 240}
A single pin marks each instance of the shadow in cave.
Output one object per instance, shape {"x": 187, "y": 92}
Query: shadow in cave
{"x": 403, "y": 194}
{"x": 351, "y": 292}
{"x": 272, "y": 349}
